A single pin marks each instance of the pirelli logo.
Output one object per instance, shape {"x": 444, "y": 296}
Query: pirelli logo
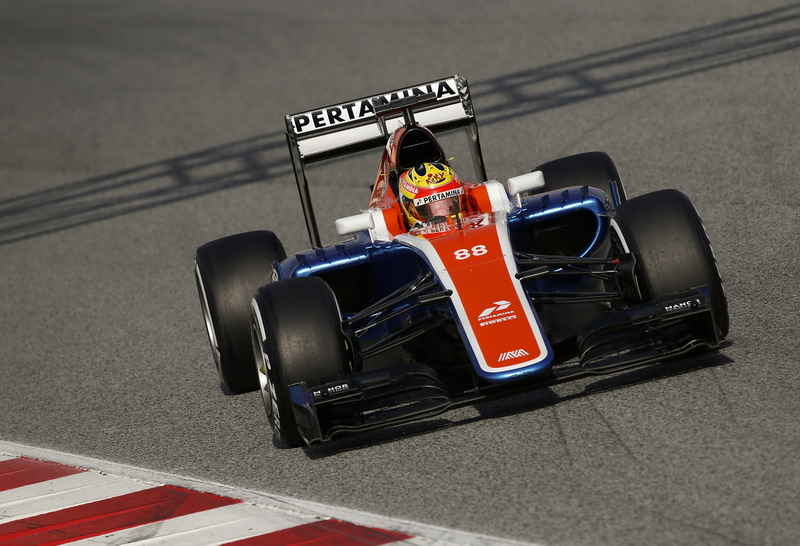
{"x": 340, "y": 114}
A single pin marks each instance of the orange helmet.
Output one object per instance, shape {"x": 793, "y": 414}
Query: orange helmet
{"x": 430, "y": 193}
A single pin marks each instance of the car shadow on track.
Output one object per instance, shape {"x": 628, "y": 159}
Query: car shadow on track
{"x": 518, "y": 94}
{"x": 527, "y": 402}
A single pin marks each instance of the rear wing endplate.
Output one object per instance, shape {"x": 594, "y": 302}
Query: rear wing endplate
{"x": 342, "y": 129}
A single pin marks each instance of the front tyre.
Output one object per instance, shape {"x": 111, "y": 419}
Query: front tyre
{"x": 666, "y": 235}
{"x": 593, "y": 169}
{"x": 228, "y": 272}
{"x": 296, "y": 336}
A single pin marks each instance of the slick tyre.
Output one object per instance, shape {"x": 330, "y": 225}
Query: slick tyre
{"x": 296, "y": 336}
{"x": 593, "y": 169}
{"x": 666, "y": 235}
{"x": 228, "y": 272}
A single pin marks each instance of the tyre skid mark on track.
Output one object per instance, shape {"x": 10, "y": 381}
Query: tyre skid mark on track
{"x": 650, "y": 509}
{"x": 732, "y": 414}
{"x": 619, "y": 439}
{"x": 562, "y": 437}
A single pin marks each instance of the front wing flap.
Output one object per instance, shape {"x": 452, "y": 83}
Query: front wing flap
{"x": 668, "y": 327}
{"x": 367, "y": 400}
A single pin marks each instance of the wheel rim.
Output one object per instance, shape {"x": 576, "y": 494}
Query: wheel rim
{"x": 212, "y": 335}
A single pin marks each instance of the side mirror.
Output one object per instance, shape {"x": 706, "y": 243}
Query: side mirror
{"x": 525, "y": 182}
{"x": 354, "y": 224}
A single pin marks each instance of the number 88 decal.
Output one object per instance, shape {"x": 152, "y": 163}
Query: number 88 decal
{"x": 464, "y": 253}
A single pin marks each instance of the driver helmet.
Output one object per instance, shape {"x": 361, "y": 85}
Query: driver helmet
{"x": 431, "y": 193}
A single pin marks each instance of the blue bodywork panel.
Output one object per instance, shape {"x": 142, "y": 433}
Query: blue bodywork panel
{"x": 375, "y": 269}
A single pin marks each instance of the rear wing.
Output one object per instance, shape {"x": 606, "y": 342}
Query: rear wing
{"x": 362, "y": 124}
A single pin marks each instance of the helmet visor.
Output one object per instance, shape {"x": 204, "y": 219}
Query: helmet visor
{"x": 439, "y": 206}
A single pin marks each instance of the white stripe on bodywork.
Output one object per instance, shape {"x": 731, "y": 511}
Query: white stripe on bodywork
{"x": 618, "y": 231}
{"x": 380, "y": 232}
{"x": 436, "y": 263}
{"x": 497, "y": 196}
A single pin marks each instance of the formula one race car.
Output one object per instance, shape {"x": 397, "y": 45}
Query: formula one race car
{"x": 448, "y": 292}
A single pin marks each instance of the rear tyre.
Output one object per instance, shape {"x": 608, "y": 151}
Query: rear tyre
{"x": 296, "y": 336}
{"x": 593, "y": 169}
{"x": 666, "y": 235}
{"x": 228, "y": 272}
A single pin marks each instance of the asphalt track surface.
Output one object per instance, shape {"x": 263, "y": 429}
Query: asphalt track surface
{"x": 132, "y": 133}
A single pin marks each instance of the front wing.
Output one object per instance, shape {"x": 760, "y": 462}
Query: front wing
{"x": 653, "y": 332}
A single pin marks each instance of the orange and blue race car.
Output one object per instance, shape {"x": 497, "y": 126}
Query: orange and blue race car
{"x": 444, "y": 292}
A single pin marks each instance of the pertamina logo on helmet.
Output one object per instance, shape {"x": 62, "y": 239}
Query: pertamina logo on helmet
{"x": 439, "y": 196}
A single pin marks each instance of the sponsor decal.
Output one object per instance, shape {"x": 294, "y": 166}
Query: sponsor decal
{"x": 439, "y": 196}
{"x": 425, "y": 229}
{"x": 498, "y": 306}
{"x": 499, "y": 312}
{"x": 330, "y": 390}
{"x": 509, "y": 355}
{"x": 332, "y": 116}
{"x": 682, "y": 306}
{"x": 408, "y": 188}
